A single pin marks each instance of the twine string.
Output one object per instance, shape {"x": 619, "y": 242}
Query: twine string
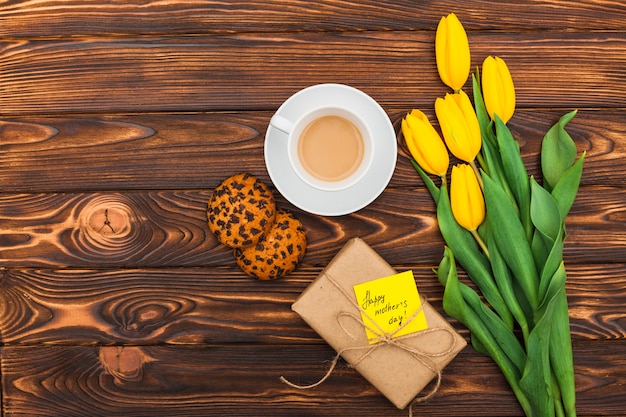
{"x": 384, "y": 338}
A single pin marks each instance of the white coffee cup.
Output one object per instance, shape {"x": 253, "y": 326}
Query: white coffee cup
{"x": 309, "y": 193}
{"x": 329, "y": 147}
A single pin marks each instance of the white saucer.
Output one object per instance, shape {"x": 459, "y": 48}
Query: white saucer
{"x": 359, "y": 195}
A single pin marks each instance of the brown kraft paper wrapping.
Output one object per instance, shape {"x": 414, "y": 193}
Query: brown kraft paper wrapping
{"x": 398, "y": 371}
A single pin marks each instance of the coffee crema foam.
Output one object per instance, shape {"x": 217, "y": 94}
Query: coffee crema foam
{"x": 331, "y": 148}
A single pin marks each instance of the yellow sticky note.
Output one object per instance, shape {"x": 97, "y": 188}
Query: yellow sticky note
{"x": 390, "y": 302}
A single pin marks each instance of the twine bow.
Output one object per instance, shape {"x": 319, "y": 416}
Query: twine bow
{"x": 384, "y": 338}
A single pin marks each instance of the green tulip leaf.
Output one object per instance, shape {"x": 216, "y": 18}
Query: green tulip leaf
{"x": 456, "y": 305}
{"x": 536, "y": 382}
{"x": 510, "y": 237}
{"x": 481, "y": 110}
{"x": 550, "y": 266}
{"x": 540, "y": 247}
{"x": 492, "y": 164}
{"x": 515, "y": 173}
{"x": 555, "y": 283}
{"x": 478, "y": 345}
{"x": 503, "y": 336}
{"x": 558, "y": 152}
{"x": 464, "y": 304}
{"x": 506, "y": 284}
{"x": 565, "y": 191}
{"x": 543, "y": 349}
{"x": 544, "y": 212}
{"x": 470, "y": 256}
{"x": 561, "y": 356}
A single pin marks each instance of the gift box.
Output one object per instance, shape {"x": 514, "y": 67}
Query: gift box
{"x": 400, "y": 368}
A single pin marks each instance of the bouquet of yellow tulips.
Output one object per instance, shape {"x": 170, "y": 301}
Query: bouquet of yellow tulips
{"x": 501, "y": 225}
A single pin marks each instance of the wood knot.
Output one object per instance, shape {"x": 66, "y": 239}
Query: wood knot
{"x": 108, "y": 217}
{"x": 106, "y": 221}
{"x": 109, "y": 226}
{"x": 124, "y": 363}
{"x": 138, "y": 317}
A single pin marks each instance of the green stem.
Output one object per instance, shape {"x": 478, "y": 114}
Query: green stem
{"x": 558, "y": 401}
{"x": 478, "y": 176}
{"x": 480, "y": 242}
{"x": 460, "y": 302}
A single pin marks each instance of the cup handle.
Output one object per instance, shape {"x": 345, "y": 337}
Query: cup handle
{"x": 282, "y": 124}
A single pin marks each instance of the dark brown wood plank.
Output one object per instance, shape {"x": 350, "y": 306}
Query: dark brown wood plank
{"x": 169, "y": 229}
{"x": 243, "y": 380}
{"x": 212, "y": 305}
{"x": 259, "y": 71}
{"x": 124, "y": 229}
{"x": 76, "y": 18}
{"x": 197, "y": 151}
{"x": 122, "y": 152}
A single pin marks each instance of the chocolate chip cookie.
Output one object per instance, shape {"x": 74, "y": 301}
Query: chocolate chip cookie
{"x": 241, "y": 210}
{"x": 278, "y": 252}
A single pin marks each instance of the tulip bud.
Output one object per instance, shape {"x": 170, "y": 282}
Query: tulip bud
{"x": 459, "y": 125}
{"x": 425, "y": 144}
{"x": 452, "y": 52}
{"x": 466, "y": 197}
{"x": 498, "y": 89}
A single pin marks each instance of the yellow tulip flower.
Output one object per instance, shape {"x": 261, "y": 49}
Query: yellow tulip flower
{"x": 498, "y": 89}
{"x": 459, "y": 125}
{"x": 466, "y": 197}
{"x": 452, "y": 52}
{"x": 425, "y": 144}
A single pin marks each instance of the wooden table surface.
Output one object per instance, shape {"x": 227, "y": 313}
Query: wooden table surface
{"x": 117, "y": 120}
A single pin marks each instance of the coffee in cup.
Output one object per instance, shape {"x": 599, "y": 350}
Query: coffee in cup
{"x": 329, "y": 148}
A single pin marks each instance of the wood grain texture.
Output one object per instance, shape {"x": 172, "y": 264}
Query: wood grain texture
{"x": 143, "y": 18}
{"x": 211, "y": 305}
{"x": 117, "y": 120}
{"x": 259, "y": 71}
{"x": 169, "y": 229}
{"x": 197, "y": 151}
{"x": 244, "y": 380}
